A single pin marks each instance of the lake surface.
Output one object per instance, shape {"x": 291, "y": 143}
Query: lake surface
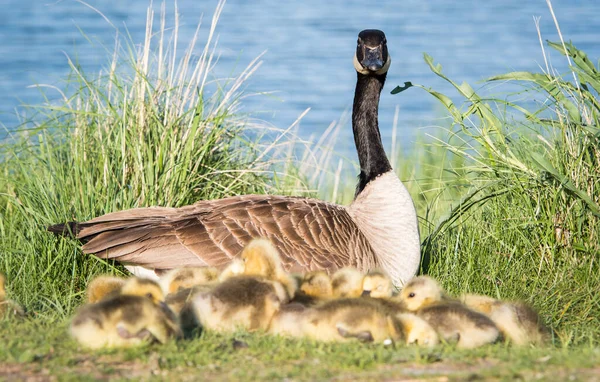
{"x": 309, "y": 48}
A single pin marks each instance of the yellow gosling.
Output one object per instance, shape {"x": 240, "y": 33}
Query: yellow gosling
{"x": 377, "y": 284}
{"x": 8, "y": 306}
{"x": 347, "y": 283}
{"x": 183, "y": 278}
{"x": 134, "y": 317}
{"x": 262, "y": 259}
{"x": 452, "y": 320}
{"x": 350, "y": 319}
{"x": 517, "y": 321}
{"x": 241, "y": 302}
{"x": 102, "y": 287}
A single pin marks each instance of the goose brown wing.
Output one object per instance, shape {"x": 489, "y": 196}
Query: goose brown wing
{"x": 309, "y": 233}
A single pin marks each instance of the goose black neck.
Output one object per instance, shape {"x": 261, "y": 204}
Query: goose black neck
{"x": 371, "y": 155}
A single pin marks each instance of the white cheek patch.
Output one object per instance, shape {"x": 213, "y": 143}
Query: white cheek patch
{"x": 359, "y": 68}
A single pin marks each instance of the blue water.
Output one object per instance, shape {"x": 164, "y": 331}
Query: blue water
{"x": 309, "y": 48}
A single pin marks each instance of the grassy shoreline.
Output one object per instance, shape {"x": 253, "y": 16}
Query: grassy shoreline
{"x": 509, "y": 206}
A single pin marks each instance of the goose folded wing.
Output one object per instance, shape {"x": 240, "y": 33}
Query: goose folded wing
{"x": 310, "y": 234}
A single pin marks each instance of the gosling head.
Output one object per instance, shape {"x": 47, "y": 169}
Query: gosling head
{"x": 136, "y": 286}
{"x": 347, "y": 283}
{"x": 377, "y": 284}
{"x": 261, "y": 258}
{"x": 371, "y": 57}
{"x": 316, "y": 284}
{"x": 420, "y": 292}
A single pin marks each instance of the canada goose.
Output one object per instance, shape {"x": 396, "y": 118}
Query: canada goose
{"x": 183, "y": 278}
{"x": 8, "y": 306}
{"x": 135, "y": 316}
{"x": 516, "y": 320}
{"x": 245, "y": 302}
{"x": 347, "y": 282}
{"x": 377, "y": 284}
{"x": 103, "y": 286}
{"x": 378, "y": 229}
{"x": 452, "y": 320}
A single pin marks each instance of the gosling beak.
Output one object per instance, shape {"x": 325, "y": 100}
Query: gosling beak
{"x": 373, "y": 59}
{"x": 164, "y": 307}
{"x": 366, "y": 293}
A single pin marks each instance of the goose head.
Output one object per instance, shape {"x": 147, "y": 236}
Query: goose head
{"x": 371, "y": 57}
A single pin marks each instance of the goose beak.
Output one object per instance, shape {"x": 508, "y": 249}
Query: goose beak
{"x": 373, "y": 59}
{"x": 366, "y": 293}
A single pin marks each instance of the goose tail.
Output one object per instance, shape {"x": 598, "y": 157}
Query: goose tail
{"x": 65, "y": 229}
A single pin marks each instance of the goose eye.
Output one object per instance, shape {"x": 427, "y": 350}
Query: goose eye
{"x": 149, "y": 295}
{"x": 411, "y": 295}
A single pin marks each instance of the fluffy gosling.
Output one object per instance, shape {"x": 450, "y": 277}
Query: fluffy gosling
{"x": 517, "y": 321}
{"x": 8, "y": 306}
{"x": 102, "y": 287}
{"x": 135, "y": 316}
{"x": 451, "y": 319}
{"x": 377, "y": 284}
{"x": 245, "y": 302}
{"x": 416, "y": 331}
{"x": 315, "y": 287}
{"x": 349, "y": 319}
{"x": 183, "y": 278}
{"x": 347, "y": 283}
{"x": 262, "y": 259}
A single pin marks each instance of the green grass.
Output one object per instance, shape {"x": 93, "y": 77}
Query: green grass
{"x": 507, "y": 197}
{"x": 214, "y": 356}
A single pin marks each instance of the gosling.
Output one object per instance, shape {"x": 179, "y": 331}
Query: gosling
{"x": 241, "y": 302}
{"x": 452, "y": 320}
{"x": 517, "y": 321}
{"x": 262, "y": 259}
{"x": 315, "y": 287}
{"x": 377, "y": 284}
{"x": 102, "y": 287}
{"x": 347, "y": 283}
{"x": 134, "y": 317}
{"x": 8, "y": 306}
{"x": 349, "y": 319}
{"x": 183, "y": 278}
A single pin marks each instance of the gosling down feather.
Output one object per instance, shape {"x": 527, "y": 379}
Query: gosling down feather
{"x": 378, "y": 229}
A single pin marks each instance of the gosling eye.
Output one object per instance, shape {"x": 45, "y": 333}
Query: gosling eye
{"x": 411, "y": 295}
{"x": 149, "y": 295}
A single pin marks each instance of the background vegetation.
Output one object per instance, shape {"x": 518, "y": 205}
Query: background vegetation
{"x": 508, "y": 199}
